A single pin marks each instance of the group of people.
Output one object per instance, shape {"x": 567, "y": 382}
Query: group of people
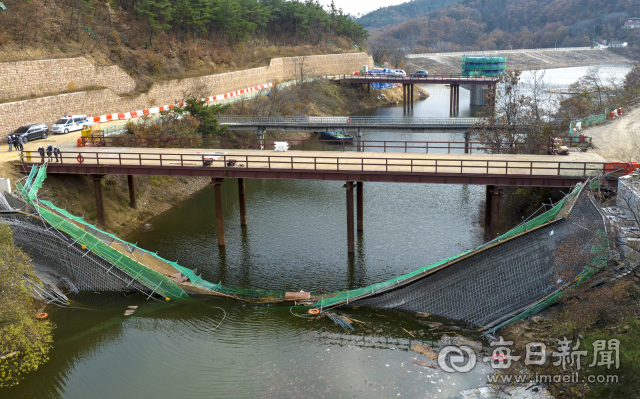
{"x": 15, "y": 141}
{"x": 50, "y": 151}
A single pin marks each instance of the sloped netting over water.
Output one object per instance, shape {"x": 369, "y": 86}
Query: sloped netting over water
{"x": 147, "y": 268}
{"x": 499, "y": 279}
{"x": 515, "y": 273}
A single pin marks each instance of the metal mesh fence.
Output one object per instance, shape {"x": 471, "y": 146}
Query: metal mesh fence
{"x": 503, "y": 279}
{"x": 82, "y": 268}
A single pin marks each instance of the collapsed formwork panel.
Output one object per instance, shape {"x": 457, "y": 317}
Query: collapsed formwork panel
{"x": 496, "y": 281}
{"x": 47, "y": 246}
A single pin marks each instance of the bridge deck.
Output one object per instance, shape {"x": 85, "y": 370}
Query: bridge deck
{"x": 444, "y": 79}
{"x": 538, "y": 170}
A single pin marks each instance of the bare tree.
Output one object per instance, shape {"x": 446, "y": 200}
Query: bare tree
{"x": 515, "y": 114}
{"x": 378, "y": 49}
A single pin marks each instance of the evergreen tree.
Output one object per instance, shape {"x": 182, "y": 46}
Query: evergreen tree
{"x": 157, "y": 13}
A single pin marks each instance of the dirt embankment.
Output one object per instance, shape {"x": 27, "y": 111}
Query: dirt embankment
{"x": 156, "y": 194}
{"x": 618, "y": 140}
{"x": 524, "y": 61}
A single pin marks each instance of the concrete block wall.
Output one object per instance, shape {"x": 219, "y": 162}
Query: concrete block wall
{"x": 107, "y": 101}
{"x": 35, "y": 78}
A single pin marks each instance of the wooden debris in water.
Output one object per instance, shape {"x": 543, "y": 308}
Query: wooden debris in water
{"x": 425, "y": 364}
{"x": 129, "y": 312}
{"x": 132, "y": 307}
{"x": 408, "y": 332}
{"x": 425, "y": 350}
{"x": 297, "y": 296}
{"x": 431, "y": 324}
{"x": 422, "y": 314}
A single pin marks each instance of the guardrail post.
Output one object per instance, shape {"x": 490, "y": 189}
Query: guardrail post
{"x": 218, "y": 203}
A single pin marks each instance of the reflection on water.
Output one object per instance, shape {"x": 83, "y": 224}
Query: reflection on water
{"x": 296, "y": 239}
{"x": 177, "y": 350}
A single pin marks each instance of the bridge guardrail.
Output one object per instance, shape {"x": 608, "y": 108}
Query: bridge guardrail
{"x": 303, "y": 163}
{"x": 350, "y": 120}
{"x": 320, "y": 145}
{"x": 408, "y": 79}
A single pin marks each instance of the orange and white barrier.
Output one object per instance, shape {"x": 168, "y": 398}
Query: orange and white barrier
{"x": 155, "y": 110}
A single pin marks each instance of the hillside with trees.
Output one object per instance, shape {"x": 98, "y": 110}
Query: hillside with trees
{"x": 393, "y": 15}
{"x": 502, "y": 24}
{"x": 159, "y": 39}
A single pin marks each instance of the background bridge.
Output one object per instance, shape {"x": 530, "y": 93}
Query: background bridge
{"x": 348, "y": 123}
{"x": 453, "y": 80}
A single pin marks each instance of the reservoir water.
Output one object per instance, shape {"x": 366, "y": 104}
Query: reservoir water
{"x": 295, "y": 240}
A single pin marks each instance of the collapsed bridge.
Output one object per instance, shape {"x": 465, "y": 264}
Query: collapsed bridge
{"x": 523, "y": 270}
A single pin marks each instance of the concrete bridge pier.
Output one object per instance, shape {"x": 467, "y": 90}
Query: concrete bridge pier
{"x": 492, "y": 210}
{"x": 404, "y": 99}
{"x": 454, "y": 99}
{"x": 260, "y": 136}
{"x": 359, "y": 140}
{"x": 132, "y": 191}
{"x": 411, "y": 88}
{"x": 97, "y": 189}
{"x": 217, "y": 192}
{"x": 467, "y": 138}
{"x": 360, "y": 210}
{"x": 242, "y": 201}
{"x": 351, "y": 241}
{"x": 407, "y": 97}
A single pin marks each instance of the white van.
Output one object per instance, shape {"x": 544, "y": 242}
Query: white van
{"x": 399, "y": 72}
{"x": 69, "y": 123}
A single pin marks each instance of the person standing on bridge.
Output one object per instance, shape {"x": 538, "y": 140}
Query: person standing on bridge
{"x": 10, "y": 141}
{"x": 41, "y": 151}
{"x": 56, "y": 152}
{"x": 49, "y": 152}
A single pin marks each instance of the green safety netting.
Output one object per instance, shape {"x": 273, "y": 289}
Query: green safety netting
{"x": 538, "y": 221}
{"x": 100, "y": 243}
{"x": 589, "y": 120}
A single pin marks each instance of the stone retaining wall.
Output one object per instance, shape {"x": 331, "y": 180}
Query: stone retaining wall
{"x": 35, "y": 78}
{"x": 106, "y": 101}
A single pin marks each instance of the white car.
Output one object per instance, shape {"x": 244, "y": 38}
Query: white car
{"x": 69, "y": 123}
{"x": 399, "y": 72}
